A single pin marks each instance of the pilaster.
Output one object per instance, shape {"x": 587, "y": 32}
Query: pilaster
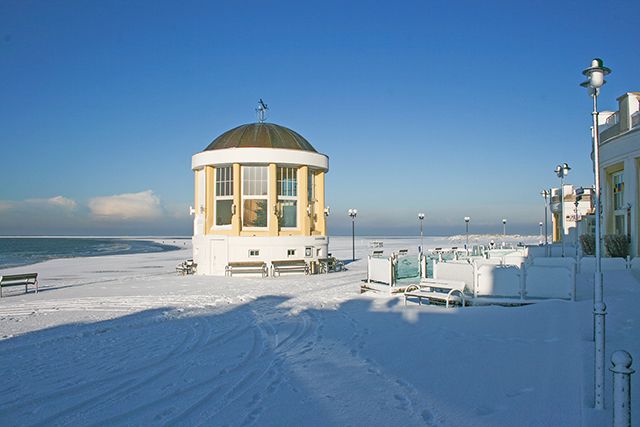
{"x": 272, "y": 200}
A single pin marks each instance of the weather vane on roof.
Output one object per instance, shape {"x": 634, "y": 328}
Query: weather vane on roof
{"x": 261, "y": 110}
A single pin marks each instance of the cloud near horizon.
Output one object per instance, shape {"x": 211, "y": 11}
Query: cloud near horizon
{"x": 141, "y": 213}
{"x": 61, "y": 201}
{"x": 39, "y": 203}
{"x": 127, "y": 206}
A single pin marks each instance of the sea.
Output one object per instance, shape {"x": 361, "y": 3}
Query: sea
{"x": 18, "y": 251}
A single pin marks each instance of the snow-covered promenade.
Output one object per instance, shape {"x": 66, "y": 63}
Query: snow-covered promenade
{"x": 123, "y": 340}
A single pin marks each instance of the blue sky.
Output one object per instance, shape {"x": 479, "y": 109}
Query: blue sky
{"x": 450, "y": 108}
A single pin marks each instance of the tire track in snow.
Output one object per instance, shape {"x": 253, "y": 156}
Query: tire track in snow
{"x": 217, "y": 380}
{"x": 270, "y": 365}
{"x": 123, "y": 388}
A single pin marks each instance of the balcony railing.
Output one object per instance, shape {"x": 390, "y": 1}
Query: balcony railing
{"x": 613, "y": 119}
{"x": 609, "y": 133}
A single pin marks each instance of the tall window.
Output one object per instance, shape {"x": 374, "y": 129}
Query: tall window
{"x": 311, "y": 197}
{"x": 619, "y": 210}
{"x": 224, "y": 195}
{"x": 255, "y": 189}
{"x": 287, "y": 197}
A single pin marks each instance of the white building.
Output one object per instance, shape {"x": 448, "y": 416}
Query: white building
{"x": 619, "y": 166}
{"x": 259, "y": 196}
{"x": 574, "y": 217}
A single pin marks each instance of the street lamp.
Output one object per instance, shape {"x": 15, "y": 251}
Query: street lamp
{"x": 595, "y": 79}
{"x": 504, "y": 228}
{"x": 578, "y": 192}
{"x": 421, "y": 218}
{"x": 352, "y": 214}
{"x": 466, "y": 221}
{"x": 562, "y": 171}
{"x": 546, "y": 194}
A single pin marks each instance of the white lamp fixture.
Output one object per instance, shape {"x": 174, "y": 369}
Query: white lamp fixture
{"x": 595, "y": 75}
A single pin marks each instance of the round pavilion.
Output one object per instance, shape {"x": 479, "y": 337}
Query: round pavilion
{"x": 259, "y": 196}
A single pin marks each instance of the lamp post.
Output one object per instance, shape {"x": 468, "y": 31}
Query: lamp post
{"x": 546, "y": 194}
{"x": 421, "y": 218}
{"x": 575, "y": 220}
{"x": 352, "y": 214}
{"x": 562, "y": 171}
{"x": 595, "y": 79}
{"x": 466, "y": 222}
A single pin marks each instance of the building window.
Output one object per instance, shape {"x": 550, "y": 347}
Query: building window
{"x": 287, "y": 181}
{"x": 619, "y": 211}
{"x": 311, "y": 197}
{"x": 255, "y": 187}
{"x": 224, "y": 195}
{"x": 254, "y": 252}
{"x": 291, "y": 252}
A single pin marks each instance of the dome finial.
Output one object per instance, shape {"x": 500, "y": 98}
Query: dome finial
{"x": 261, "y": 110}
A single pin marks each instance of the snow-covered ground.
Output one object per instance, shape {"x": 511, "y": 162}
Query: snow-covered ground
{"x": 124, "y": 340}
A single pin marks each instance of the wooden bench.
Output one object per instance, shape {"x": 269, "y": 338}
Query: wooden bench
{"x": 289, "y": 266}
{"x": 19, "y": 280}
{"x": 246, "y": 267}
{"x": 449, "y": 291}
{"x": 330, "y": 264}
{"x": 186, "y": 267}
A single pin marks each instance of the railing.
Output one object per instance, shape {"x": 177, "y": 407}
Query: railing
{"x": 613, "y": 119}
{"x": 609, "y": 133}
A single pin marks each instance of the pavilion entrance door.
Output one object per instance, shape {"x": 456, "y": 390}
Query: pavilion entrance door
{"x": 218, "y": 256}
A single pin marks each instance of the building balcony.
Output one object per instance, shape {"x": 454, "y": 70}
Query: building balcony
{"x": 635, "y": 119}
{"x": 627, "y": 118}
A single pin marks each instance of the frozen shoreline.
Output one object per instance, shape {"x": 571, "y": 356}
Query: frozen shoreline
{"x": 123, "y": 340}
{"x": 29, "y": 250}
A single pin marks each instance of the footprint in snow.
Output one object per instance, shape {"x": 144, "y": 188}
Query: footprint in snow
{"x": 427, "y": 416}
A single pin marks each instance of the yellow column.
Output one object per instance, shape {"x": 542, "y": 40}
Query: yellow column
{"x": 195, "y": 192}
{"x": 237, "y": 201}
{"x": 273, "y": 200}
{"x": 303, "y": 188}
{"x": 210, "y": 179}
{"x": 321, "y": 225}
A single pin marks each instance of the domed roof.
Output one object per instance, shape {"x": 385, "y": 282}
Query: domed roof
{"x": 261, "y": 135}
